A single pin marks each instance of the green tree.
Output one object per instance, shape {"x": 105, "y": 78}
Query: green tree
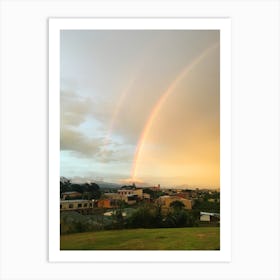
{"x": 77, "y": 188}
{"x": 65, "y": 185}
{"x": 158, "y": 215}
{"x": 94, "y": 190}
{"x": 207, "y": 206}
{"x": 143, "y": 217}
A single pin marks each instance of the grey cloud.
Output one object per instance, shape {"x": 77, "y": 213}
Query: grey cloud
{"x": 73, "y": 109}
{"x": 72, "y": 140}
{"x": 127, "y": 123}
{"x": 100, "y": 64}
{"x": 88, "y": 147}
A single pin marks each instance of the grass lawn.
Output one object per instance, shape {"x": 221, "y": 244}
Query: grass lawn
{"x": 197, "y": 238}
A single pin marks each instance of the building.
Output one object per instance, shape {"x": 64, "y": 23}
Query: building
{"x": 104, "y": 203}
{"x": 155, "y": 188}
{"x": 79, "y": 205}
{"x": 69, "y": 195}
{"x": 206, "y": 217}
{"x": 184, "y": 195}
{"x": 146, "y": 196}
{"x": 131, "y": 199}
{"x": 166, "y": 200}
{"x": 112, "y": 196}
{"x": 131, "y": 196}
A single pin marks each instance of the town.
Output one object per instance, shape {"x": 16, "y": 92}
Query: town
{"x": 89, "y": 207}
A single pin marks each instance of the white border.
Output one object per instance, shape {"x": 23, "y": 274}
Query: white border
{"x": 222, "y": 24}
{"x": 255, "y": 139}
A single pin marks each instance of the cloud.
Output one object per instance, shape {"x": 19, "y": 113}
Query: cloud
{"x": 83, "y": 146}
{"x": 108, "y": 92}
{"x": 84, "y": 130}
{"x": 72, "y": 140}
{"x": 100, "y": 71}
{"x": 74, "y": 109}
{"x": 78, "y": 111}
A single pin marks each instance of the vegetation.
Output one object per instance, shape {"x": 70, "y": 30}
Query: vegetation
{"x": 72, "y": 222}
{"x": 144, "y": 239}
{"x": 86, "y": 190}
{"x": 143, "y": 214}
{"x": 154, "y": 194}
{"x": 207, "y": 206}
{"x": 152, "y": 216}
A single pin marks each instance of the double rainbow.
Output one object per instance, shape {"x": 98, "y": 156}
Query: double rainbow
{"x": 156, "y": 109}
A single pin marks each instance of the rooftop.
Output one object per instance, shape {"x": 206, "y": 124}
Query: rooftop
{"x": 70, "y": 192}
{"x": 74, "y": 200}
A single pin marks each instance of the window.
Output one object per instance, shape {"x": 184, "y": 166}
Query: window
{"x": 60, "y": 206}
{"x": 85, "y": 204}
{"x": 79, "y": 205}
{"x": 90, "y": 204}
{"x": 71, "y": 205}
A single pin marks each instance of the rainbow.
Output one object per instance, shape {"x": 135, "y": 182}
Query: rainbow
{"x": 117, "y": 109}
{"x": 149, "y": 48}
{"x": 160, "y": 103}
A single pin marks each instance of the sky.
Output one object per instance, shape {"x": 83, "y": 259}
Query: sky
{"x": 140, "y": 106}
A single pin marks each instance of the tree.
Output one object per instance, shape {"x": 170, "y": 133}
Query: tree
{"x": 143, "y": 217}
{"x": 94, "y": 190}
{"x": 65, "y": 185}
{"x": 207, "y": 206}
{"x": 118, "y": 219}
{"x": 158, "y": 216}
{"x": 154, "y": 194}
{"x": 77, "y": 188}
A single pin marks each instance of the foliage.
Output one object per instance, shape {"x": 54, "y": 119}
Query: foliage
{"x": 72, "y": 222}
{"x": 128, "y": 187}
{"x": 143, "y": 217}
{"x": 118, "y": 220}
{"x": 87, "y": 190}
{"x": 207, "y": 206}
{"x": 64, "y": 185}
{"x": 179, "y": 218}
{"x": 154, "y": 194}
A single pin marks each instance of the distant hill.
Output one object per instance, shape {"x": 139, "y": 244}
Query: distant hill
{"x": 105, "y": 185}
{"x": 80, "y": 181}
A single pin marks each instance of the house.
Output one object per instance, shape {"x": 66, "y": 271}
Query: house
{"x": 113, "y": 196}
{"x": 130, "y": 196}
{"x": 166, "y": 200}
{"x": 131, "y": 199}
{"x": 79, "y": 205}
{"x": 155, "y": 188}
{"x": 104, "y": 203}
{"x": 206, "y": 217}
{"x": 146, "y": 196}
{"x": 70, "y": 195}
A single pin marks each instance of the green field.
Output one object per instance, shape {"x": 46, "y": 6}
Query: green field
{"x": 196, "y": 238}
